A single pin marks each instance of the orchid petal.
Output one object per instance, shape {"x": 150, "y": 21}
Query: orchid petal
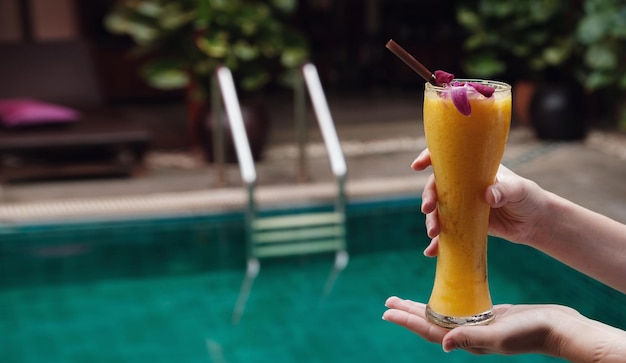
{"x": 483, "y": 89}
{"x": 443, "y": 77}
{"x": 460, "y": 100}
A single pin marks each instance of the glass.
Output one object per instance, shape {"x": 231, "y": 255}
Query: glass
{"x": 465, "y": 153}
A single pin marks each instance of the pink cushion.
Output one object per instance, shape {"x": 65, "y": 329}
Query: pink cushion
{"x": 23, "y": 112}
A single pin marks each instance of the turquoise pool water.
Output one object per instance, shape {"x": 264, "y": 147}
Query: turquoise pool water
{"x": 151, "y": 308}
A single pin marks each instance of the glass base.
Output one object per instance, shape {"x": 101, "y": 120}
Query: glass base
{"x": 450, "y": 322}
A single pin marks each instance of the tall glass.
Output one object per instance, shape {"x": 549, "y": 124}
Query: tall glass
{"x": 465, "y": 152}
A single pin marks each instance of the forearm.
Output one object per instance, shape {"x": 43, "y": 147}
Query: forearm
{"x": 587, "y": 241}
{"x": 587, "y": 341}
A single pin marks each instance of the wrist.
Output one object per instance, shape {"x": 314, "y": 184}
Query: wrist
{"x": 579, "y": 339}
{"x": 547, "y": 215}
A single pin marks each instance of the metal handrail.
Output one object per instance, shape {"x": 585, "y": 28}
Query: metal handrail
{"x": 329, "y": 133}
{"x": 325, "y": 120}
{"x": 235, "y": 116}
{"x": 224, "y": 91}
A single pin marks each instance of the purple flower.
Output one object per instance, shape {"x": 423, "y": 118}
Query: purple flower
{"x": 458, "y": 94}
{"x": 443, "y": 77}
{"x": 483, "y": 89}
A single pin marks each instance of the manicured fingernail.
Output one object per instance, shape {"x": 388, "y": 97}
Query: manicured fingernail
{"x": 497, "y": 196}
{"x": 448, "y": 346}
{"x": 384, "y": 317}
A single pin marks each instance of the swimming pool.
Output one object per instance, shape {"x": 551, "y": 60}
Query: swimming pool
{"x": 163, "y": 290}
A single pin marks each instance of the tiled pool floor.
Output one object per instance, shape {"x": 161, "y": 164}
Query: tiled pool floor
{"x": 187, "y": 318}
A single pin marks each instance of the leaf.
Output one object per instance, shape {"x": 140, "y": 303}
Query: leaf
{"x": 556, "y": 55}
{"x": 475, "y": 41}
{"x": 149, "y": 9}
{"x": 293, "y": 57}
{"x": 596, "y": 80}
{"x": 215, "y": 46}
{"x": 484, "y": 65}
{"x": 169, "y": 79}
{"x": 468, "y": 18}
{"x": 601, "y": 57}
{"x": 255, "y": 81}
{"x": 142, "y": 34}
{"x": 592, "y": 28}
{"x": 286, "y": 6}
{"x": 245, "y": 51}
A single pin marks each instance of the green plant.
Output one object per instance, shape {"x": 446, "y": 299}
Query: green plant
{"x": 583, "y": 40}
{"x": 602, "y": 34}
{"x": 186, "y": 40}
{"x": 520, "y": 39}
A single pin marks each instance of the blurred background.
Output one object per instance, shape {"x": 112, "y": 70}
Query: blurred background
{"x": 153, "y": 51}
{"x": 119, "y": 243}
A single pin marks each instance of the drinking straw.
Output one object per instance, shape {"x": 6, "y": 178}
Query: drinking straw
{"x": 407, "y": 58}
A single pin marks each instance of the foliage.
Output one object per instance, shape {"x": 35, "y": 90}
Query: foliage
{"x": 583, "y": 40}
{"x": 526, "y": 39}
{"x": 576, "y": 40}
{"x": 602, "y": 33}
{"x": 188, "y": 39}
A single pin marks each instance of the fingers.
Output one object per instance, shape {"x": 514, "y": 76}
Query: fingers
{"x": 411, "y": 315}
{"x": 409, "y": 306}
{"x": 433, "y": 247}
{"x": 429, "y": 207}
{"x": 422, "y": 161}
{"x": 429, "y": 195}
{"x": 477, "y": 339}
{"x": 432, "y": 224}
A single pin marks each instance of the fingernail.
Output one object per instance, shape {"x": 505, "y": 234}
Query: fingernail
{"x": 497, "y": 196}
{"x": 448, "y": 346}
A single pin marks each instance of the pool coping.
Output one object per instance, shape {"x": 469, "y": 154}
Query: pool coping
{"x": 202, "y": 201}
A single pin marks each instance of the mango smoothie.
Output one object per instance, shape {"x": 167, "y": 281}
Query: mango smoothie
{"x": 466, "y": 151}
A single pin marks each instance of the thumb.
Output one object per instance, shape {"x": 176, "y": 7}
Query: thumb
{"x": 471, "y": 339}
{"x": 508, "y": 188}
{"x": 497, "y": 195}
{"x": 504, "y": 191}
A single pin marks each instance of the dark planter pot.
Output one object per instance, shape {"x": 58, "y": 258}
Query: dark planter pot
{"x": 558, "y": 112}
{"x": 257, "y": 123}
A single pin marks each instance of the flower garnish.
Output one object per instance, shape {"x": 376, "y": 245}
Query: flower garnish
{"x": 442, "y": 78}
{"x": 458, "y": 94}
{"x": 461, "y": 92}
{"x": 483, "y": 89}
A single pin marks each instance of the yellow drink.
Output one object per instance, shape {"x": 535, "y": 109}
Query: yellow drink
{"x": 465, "y": 152}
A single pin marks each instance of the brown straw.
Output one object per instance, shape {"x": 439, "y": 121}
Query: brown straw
{"x": 411, "y": 61}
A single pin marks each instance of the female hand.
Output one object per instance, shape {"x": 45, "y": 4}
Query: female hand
{"x": 517, "y": 205}
{"x": 517, "y": 329}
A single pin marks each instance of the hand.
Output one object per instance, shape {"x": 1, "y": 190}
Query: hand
{"x": 517, "y": 329}
{"x": 517, "y": 205}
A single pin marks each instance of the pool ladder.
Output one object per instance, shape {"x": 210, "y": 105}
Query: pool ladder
{"x": 284, "y": 235}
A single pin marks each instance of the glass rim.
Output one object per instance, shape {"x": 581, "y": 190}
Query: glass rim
{"x": 498, "y": 85}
